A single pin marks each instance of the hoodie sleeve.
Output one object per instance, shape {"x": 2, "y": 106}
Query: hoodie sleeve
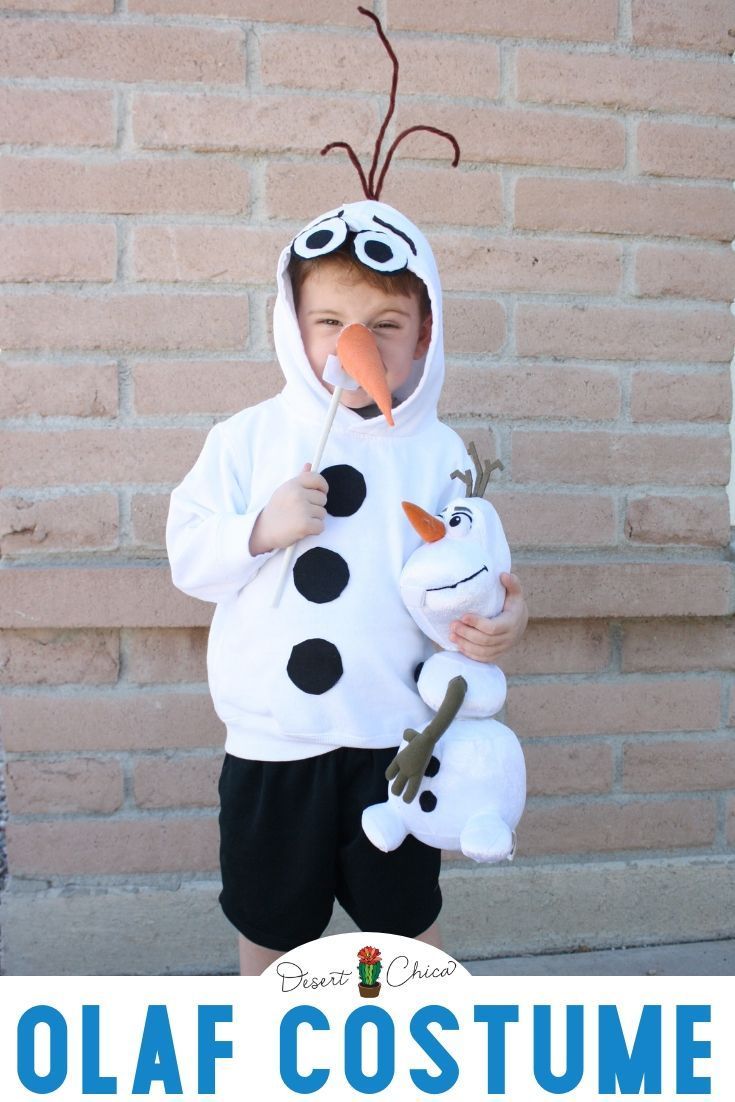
{"x": 209, "y": 525}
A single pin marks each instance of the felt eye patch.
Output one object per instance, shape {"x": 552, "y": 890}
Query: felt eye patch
{"x": 384, "y": 252}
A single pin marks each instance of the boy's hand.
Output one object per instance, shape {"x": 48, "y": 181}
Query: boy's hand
{"x": 296, "y": 509}
{"x": 486, "y": 639}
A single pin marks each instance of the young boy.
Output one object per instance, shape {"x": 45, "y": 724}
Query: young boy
{"x": 316, "y": 692}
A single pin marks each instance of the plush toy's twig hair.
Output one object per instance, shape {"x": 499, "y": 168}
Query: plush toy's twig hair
{"x": 477, "y": 486}
{"x": 369, "y": 186}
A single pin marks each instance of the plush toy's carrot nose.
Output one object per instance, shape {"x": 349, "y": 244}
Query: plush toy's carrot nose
{"x": 360, "y": 358}
{"x": 429, "y": 528}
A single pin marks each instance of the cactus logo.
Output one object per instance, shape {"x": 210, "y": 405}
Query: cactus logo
{"x": 369, "y": 968}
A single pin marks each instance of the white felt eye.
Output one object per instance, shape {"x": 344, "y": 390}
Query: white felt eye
{"x": 380, "y": 251}
{"x": 459, "y": 524}
{"x": 323, "y": 238}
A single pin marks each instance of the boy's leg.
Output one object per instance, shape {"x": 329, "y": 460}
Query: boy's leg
{"x": 254, "y": 959}
{"x": 432, "y": 936}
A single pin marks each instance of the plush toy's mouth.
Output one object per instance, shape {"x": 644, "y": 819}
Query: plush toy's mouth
{"x": 438, "y": 588}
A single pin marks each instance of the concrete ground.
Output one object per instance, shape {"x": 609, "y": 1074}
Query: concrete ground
{"x": 696, "y": 958}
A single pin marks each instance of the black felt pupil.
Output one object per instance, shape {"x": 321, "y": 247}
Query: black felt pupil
{"x": 378, "y": 251}
{"x": 455, "y": 521}
{"x": 347, "y": 490}
{"x": 319, "y": 238}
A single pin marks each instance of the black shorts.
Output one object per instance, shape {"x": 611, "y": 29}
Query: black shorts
{"x": 291, "y": 841}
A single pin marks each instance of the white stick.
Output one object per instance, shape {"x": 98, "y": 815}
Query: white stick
{"x": 289, "y": 552}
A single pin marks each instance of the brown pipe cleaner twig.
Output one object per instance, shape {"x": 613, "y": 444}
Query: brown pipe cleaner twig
{"x": 369, "y": 187}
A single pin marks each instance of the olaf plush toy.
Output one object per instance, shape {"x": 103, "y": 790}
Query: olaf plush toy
{"x": 460, "y": 784}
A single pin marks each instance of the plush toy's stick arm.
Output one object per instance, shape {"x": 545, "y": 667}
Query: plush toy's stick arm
{"x": 409, "y": 764}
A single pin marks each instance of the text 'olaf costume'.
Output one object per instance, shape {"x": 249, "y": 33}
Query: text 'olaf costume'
{"x": 333, "y": 665}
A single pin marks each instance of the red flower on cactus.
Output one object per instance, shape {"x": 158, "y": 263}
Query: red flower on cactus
{"x": 369, "y": 955}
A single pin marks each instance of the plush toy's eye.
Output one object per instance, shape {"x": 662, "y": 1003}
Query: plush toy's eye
{"x": 459, "y": 523}
{"x": 323, "y": 238}
{"x": 380, "y": 251}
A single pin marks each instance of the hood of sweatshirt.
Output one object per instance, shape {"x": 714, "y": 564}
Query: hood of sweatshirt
{"x": 387, "y": 241}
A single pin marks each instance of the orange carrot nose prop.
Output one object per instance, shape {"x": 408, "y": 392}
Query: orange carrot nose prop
{"x": 359, "y": 356}
{"x": 429, "y": 528}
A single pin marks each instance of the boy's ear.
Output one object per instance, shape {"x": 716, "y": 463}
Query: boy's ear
{"x": 424, "y": 340}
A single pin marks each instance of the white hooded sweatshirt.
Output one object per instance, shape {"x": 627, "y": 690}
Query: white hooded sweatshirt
{"x": 333, "y": 665}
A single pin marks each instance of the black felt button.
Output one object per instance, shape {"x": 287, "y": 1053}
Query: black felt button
{"x": 417, "y": 672}
{"x": 315, "y": 666}
{"x": 432, "y": 768}
{"x": 427, "y": 801}
{"x": 347, "y": 490}
{"x": 320, "y": 575}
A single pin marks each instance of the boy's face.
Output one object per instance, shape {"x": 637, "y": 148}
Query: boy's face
{"x": 332, "y": 298}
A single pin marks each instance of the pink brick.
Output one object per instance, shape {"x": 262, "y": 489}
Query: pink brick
{"x": 679, "y": 149}
{"x": 631, "y": 83}
{"x": 556, "y": 519}
{"x": 691, "y": 396}
{"x": 75, "y": 784}
{"x": 139, "y": 186}
{"x": 148, "y": 513}
{"x": 113, "y": 721}
{"x": 84, "y": 596}
{"x": 663, "y": 272}
{"x": 626, "y": 458}
{"x": 679, "y": 766}
{"x": 447, "y": 67}
{"x": 203, "y": 386}
{"x": 522, "y": 391}
{"x": 48, "y": 657}
{"x": 660, "y": 646}
{"x": 127, "y": 322}
{"x": 567, "y": 770}
{"x": 611, "y": 206}
{"x": 74, "y": 254}
{"x": 563, "y": 647}
{"x": 117, "y": 846}
{"x": 96, "y": 455}
{"x": 177, "y": 781}
{"x": 206, "y": 254}
{"x": 320, "y": 12}
{"x": 166, "y": 655}
{"x": 625, "y": 333}
{"x": 473, "y": 326}
{"x": 679, "y": 24}
{"x": 468, "y": 262}
{"x": 259, "y": 123}
{"x": 624, "y": 590}
{"x": 120, "y": 52}
{"x": 701, "y": 520}
{"x": 460, "y": 197}
{"x": 81, "y": 389}
{"x": 615, "y": 707}
{"x": 604, "y": 827}
{"x": 95, "y": 7}
{"x": 30, "y": 116}
{"x": 66, "y": 523}
{"x": 569, "y": 19}
{"x": 516, "y": 136}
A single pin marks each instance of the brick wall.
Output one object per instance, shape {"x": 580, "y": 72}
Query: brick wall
{"x": 157, "y": 154}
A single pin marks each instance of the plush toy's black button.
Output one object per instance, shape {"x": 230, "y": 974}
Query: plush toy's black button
{"x": 427, "y": 801}
{"x": 433, "y": 767}
{"x": 315, "y": 666}
{"x": 347, "y": 490}
{"x": 320, "y": 575}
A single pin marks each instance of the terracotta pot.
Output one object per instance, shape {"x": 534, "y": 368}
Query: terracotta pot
{"x": 369, "y": 990}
